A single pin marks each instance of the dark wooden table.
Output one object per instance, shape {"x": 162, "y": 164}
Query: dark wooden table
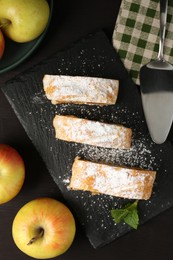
{"x": 71, "y": 21}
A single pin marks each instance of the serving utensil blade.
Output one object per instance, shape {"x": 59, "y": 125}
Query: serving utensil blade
{"x": 156, "y": 84}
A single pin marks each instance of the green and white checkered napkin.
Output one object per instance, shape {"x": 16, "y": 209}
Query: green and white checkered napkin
{"x": 136, "y": 34}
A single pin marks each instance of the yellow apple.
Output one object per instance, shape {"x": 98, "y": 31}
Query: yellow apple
{"x": 43, "y": 228}
{"x": 12, "y": 173}
{"x": 2, "y": 44}
{"x": 23, "y": 20}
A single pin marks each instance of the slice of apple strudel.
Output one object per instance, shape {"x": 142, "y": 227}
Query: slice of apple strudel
{"x": 74, "y": 129}
{"x": 112, "y": 180}
{"x": 80, "y": 90}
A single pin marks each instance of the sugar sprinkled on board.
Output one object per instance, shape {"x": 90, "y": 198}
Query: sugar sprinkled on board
{"x": 139, "y": 155}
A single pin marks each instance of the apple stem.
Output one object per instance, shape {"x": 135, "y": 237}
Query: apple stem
{"x": 39, "y": 235}
{"x": 4, "y": 22}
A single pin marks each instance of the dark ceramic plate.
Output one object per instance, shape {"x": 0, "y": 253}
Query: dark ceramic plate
{"x": 16, "y": 53}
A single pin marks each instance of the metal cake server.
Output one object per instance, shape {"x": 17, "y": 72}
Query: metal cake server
{"x": 156, "y": 83}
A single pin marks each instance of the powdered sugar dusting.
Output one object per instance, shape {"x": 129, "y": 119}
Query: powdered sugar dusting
{"x": 79, "y": 130}
{"x": 80, "y": 89}
{"x": 112, "y": 180}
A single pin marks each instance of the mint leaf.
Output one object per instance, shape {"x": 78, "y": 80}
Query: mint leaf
{"x": 132, "y": 219}
{"x": 119, "y": 214}
{"x": 128, "y": 214}
{"x": 131, "y": 206}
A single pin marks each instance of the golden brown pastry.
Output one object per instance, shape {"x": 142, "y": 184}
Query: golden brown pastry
{"x": 80, "y": 89}
{"x": 74, "y": 129}
{"x": 112, "y": 180}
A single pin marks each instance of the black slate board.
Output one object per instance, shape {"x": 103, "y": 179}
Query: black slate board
{"x": 92, "y": 56}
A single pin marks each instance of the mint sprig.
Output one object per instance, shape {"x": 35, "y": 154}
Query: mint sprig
{"x": 128, "y": 214}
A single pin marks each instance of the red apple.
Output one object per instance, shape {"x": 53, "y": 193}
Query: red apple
{"x": 2, "y": 44}
{"x": 43, "y": 228}
{"x": 12, "y": 173}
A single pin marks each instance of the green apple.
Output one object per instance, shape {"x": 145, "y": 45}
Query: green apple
{"x": 23, "y": 20}
{"x": 2, "y": 44}
{"x": 43, "y": 228}
{"x": 12, "y": 173}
